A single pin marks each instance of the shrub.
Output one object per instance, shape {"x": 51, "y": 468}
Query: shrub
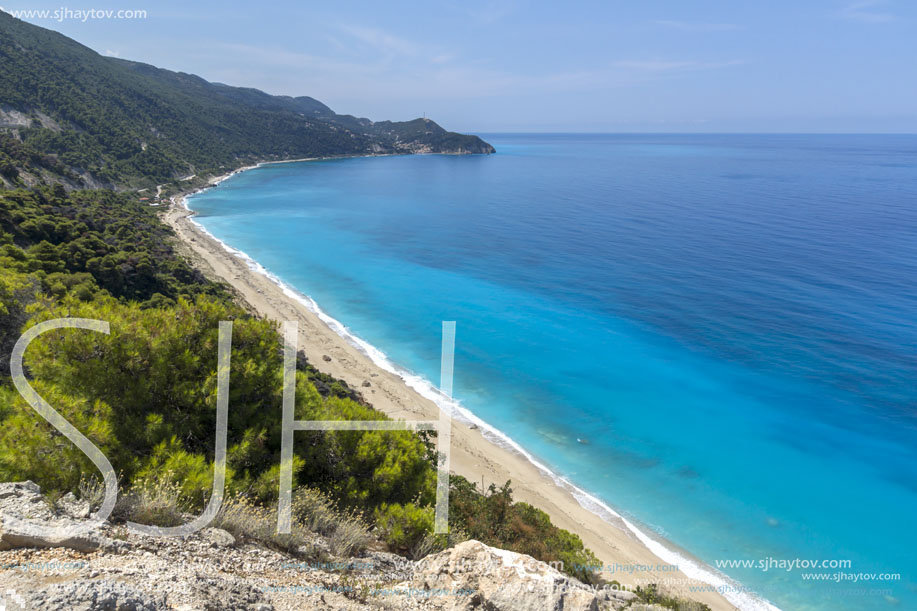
{"x": 494, "y": 519}
{"x": 403, "y": 526}
{"x": 30, "y": 448}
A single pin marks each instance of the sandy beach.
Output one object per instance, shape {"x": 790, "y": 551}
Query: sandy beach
{"x": 472, "y": 455}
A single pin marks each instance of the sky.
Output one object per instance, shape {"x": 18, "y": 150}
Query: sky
{"x": 515, "y": 66}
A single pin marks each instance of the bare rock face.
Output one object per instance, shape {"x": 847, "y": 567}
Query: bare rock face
{"x": 473, "y": 575}
{"x": 24, "y": 500}
{"x": 26, "y": 520}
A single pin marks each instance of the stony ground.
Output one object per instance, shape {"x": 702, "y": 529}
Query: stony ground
{"x": 111, "y": 568}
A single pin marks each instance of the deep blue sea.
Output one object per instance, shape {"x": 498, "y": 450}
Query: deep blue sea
{"x": 726, "y": 323}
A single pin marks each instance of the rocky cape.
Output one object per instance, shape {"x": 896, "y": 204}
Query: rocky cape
{"x": 70, "y": 115}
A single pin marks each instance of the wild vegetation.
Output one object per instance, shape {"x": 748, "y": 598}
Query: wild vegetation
{"x": 493, "y": 517}
{"x": 146, "y": 393}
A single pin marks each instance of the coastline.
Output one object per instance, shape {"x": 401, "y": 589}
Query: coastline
{"x": 478, "y": 451}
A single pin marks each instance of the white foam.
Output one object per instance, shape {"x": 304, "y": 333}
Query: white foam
{"x": 730, "y": 589}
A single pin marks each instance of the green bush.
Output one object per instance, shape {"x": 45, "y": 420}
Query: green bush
{"x": 157, "y": 372}
{"x": 493, "y": 518}
{"x": 31, "y": 449}
{"x": 18, "y": 292}
{"x": 403, "y": 526}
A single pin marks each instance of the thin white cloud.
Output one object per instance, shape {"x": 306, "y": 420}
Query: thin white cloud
{"x": 336, "y": 42}
{"x": 400, "y": 71}
{"x": 257, "y": 55}
{"x": 864, "y": 11}
{"x": 670, "y": 66}
{"x": 381, "y": 48}
{"x": 430, "y": 77}
{"x": 381, "y": 40}
{"x": 688, "y": 26}
{"x": 652, "y": 66}
{"x": 110, "y": 53}
{"x": 326, "y": 78}
{"x": 492, "y": 11}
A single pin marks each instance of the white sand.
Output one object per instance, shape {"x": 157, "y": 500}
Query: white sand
{"x": 472, "y": 455}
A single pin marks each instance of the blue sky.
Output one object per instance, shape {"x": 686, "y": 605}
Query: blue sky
{"x": 482, "y": 66}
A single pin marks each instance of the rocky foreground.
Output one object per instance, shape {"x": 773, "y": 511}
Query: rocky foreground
{"x": 112, "y": 568}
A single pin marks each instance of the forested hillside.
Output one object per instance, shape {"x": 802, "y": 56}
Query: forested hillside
{"x": 101, "y": 121}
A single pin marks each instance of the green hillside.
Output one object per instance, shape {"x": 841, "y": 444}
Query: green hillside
{"x": 99, "y": 121}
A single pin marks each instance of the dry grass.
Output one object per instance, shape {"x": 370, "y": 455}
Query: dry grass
{"x": 160, "y": 503}
{"x": 346, "y": 530}
{"x": 249, "y": 521}
{"x": 91, "y": 490}
{"x": 154, "y": 502}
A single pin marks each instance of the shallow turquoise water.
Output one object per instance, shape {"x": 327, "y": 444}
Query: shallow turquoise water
{"x": 728, "y": 322}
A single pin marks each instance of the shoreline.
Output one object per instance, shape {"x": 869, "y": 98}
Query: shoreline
{"x": 479, "y": 451}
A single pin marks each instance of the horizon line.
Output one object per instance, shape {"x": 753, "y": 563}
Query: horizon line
{"x": 685, "y": 133}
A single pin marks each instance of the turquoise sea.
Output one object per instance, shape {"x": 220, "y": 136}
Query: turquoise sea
{"x": 716, "y": 336}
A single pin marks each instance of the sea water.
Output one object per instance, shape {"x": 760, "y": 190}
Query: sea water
{"x": 714, "y": 335}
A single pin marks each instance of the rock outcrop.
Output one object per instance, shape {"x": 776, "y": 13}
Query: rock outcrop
{"x": 26, "y": 520}
{"x": 111, "y": 568}
{"x": 473, "y": 575}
